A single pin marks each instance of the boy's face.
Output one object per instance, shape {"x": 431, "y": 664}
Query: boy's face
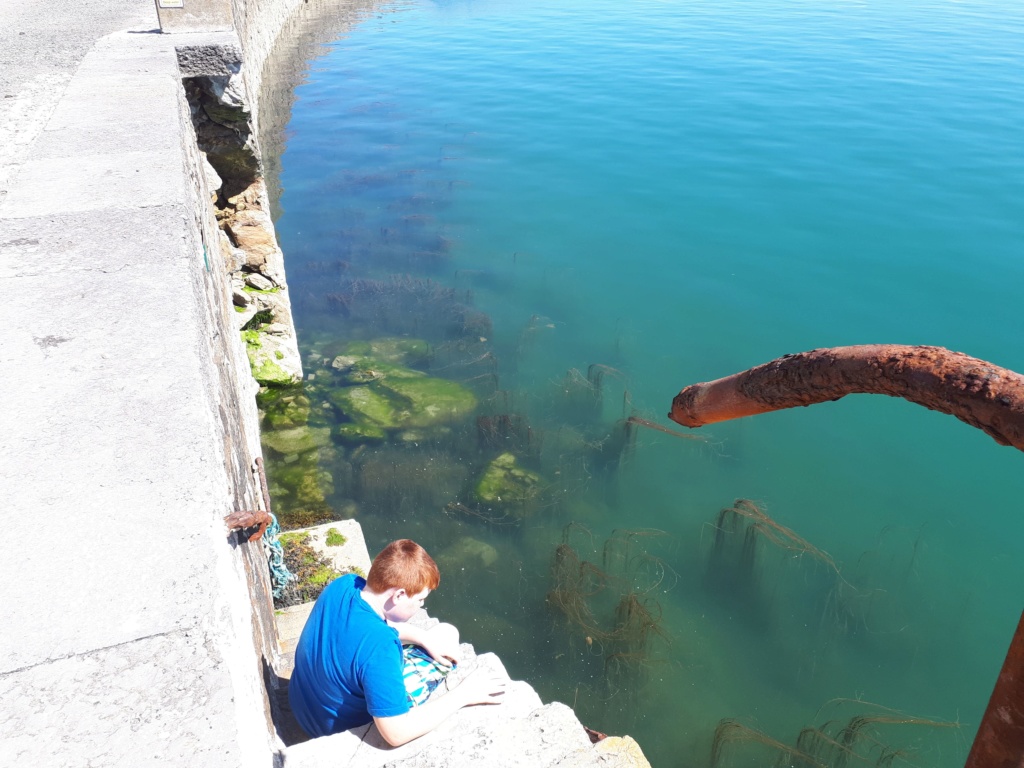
{"x": 403, "y": 606}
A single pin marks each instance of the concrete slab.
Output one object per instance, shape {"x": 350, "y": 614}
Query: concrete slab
{"x": 43, "y": 43}
{"x": 94, "y": 182}
{"x": 290, "y": 622}
{"x": 365, "y": 748}
{"x": 342, "y": 557}
{"x": 126, "y": 706}
{"x": 112, "y": 474}
{"x": 68, "y": 246}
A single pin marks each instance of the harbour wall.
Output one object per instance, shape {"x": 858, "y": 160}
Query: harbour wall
{"x": 137, "y": 631}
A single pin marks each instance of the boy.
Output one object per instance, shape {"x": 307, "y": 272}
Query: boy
{"x": 350, "y": 664}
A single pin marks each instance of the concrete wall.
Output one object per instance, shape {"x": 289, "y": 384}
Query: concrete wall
{"x": 135, "y": 630}
{"x": 128, "y": 433}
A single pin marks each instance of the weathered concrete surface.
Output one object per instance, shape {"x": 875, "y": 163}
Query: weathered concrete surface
{"x": 41, "y": 45}
{"x": 128, "y": 429}
{"x": 190, "y": 16}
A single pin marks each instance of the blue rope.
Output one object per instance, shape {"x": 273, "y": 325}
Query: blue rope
{"x": 280, "y": 576}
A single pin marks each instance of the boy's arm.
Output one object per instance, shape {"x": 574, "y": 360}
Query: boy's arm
{"x": 442, "y": 646}
{"x": 480, "y": 687}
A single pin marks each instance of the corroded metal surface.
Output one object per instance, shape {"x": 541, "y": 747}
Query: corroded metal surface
{"x": 999, "y": 742}
{"x": 975, "y": 391}
{"x": 248, "y": 518}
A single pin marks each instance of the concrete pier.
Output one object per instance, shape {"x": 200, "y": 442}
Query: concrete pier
{"x": 128, "y": 426}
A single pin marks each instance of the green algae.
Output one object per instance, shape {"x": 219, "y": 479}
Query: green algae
{"x": 264, "y": 366}
{"x": 504, "y": 482}
{"x": 297, "y": 440}
{"x": 432, "y": 401}
{"x": 368, "y": 404}
{"x": 356, "y": 433}
{"x": 291, "y": 410}
{"x": 363, "y": 370}
{"x": 335, "y": 538}
{"x": 266, "y": 371}
{"x": 312, "y": 570}
{"x": 401, "y": 402}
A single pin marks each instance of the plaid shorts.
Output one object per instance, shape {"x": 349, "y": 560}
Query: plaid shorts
{"x": 422, "y": 674}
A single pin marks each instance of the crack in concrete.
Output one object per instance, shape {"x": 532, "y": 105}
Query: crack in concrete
{"x": 91, "y": 651}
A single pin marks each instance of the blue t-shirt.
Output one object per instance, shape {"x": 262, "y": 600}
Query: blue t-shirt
{"x": 348, "y": 664}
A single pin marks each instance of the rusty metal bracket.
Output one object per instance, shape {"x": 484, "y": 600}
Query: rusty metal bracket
{"x": 249, "y": 518}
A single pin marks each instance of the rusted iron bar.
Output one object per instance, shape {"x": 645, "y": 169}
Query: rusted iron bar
{"x": 248, "y": 518}
{"x": 999, "y": 742}
{"x": 976, "y": 392}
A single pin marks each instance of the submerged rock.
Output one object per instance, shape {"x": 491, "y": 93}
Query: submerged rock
{"x": 468, "y": 551}
{"x": 296, "y": 440}
{"x": 504, "y": 482}
{"x": 286, "y": 411}
{"x": 401, "y": 350}
{"x": 362, "y": 370}
{"x": 407, "y": 400}
{"x": 355, "y": 433}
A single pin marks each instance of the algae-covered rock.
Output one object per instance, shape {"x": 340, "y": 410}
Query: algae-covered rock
{"x": 363, "y": 370}
{"x": 432, "y": 401}
{"x": 373, "y": 404}
{"x": 405, "y": 402}
{"x": 300, "y": 485}
{"x": 313, "y": 488}
{"x": 355, "y": 433}
{"x": 266, "y": 354}
{"x": 343, "y": 363}
{"x": 266, "y": 368}
{"x": 357, "y": 348}
{"x": 504, "y": 482}
{"x": 285, "y": 412}
{"x": 296, "y": 440}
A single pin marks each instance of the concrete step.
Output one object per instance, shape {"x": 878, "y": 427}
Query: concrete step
{"x": 522, "y": 732}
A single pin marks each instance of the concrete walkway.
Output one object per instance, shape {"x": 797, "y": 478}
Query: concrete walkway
{"x": 41, "y": 46}
{"x": 127, "y": 637}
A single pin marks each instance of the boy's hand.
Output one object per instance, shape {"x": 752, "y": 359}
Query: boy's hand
{"x": 444, "y": 650}
{"x": 480, "y": 687}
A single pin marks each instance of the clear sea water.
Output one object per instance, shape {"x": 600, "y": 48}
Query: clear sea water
{"x": 679, "y": 191}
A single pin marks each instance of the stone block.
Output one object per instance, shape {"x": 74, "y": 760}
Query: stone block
{"x": 178, "y": 16}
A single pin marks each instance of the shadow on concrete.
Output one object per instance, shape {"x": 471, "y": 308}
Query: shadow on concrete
{"x": 288, "y": 728}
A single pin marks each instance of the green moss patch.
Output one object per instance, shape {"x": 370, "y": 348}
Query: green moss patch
{"x": 335, "y": 538}
{"x": 312, "y": 571}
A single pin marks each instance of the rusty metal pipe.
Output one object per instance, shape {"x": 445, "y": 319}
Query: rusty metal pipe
{"x": 999, "y": 742}
{"x": 975, "y": 391}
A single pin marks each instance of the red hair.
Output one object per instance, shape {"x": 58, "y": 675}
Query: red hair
{"x": 403, "y": 564}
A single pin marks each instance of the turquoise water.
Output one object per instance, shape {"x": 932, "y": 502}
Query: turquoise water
{"x": 678, "y": 191}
